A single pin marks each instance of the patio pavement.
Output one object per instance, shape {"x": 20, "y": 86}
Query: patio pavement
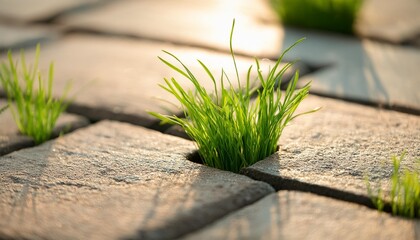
{"x": 115, "y": 175}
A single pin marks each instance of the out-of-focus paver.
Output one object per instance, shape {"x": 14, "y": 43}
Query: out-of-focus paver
{"x": 28, "y": 11}
{"x": 115, "y": 181}
{"x": 388, "y": 20}
{"x": 297, "y": 215}
{"x": 11, "y": 140}
{"x": 23, "y": 36}
{"x": 359, "y": 70}
{"x": 118, "y": 78}
{"x": 190, "y": 22}
{"x": 330, "y": 152}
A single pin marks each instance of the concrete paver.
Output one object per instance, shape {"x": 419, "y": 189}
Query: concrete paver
{"x": 331, "y": 151}
{"x": 118, "y": 78}
{"x": 115, "y": 181}
{"x": 297, "y": 215}
{"x": 22, "y": 36}
{"x": 189, "y": 22}
{"x": 11, "y": 140}
{"x": 28, "y": 11}
{"x": 360, "y": 70}
{"x": 396, "y": 22}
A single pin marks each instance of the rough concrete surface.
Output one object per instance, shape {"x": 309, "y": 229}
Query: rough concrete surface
{"x": 11, "y": 140}
{"x": 297, "y": 215}
{"x": 119, "y": 78}
{"x": 189, "y": 22}
{"x": 331, "y": 151}
{"x": 115, "y": 181}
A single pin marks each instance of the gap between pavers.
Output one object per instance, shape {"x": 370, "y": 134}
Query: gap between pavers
{"x": 331, "y": 151}
{"x": 118, "y": 79}
{"x": 42, "y": 10}
{"x": 114, "y": 180}
{"x": 360, "y": 70}
{"x": 297, "y": 215}
{"x": 11, "y": 140}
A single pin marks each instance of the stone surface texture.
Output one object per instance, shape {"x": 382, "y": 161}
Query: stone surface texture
{"x": 331, "y": 151}
{"x": 115, "y": 181}
{"x": 11, "y": 140}
{"x": 360, "y": 70}
{"x": 189, "y": 22}
{"x": 119, "y": 78}
{"x": 397, "y": 22}
{"x": 296, "y": 215}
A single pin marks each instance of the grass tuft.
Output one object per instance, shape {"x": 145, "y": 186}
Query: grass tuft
{"x": 33, "y": 107}
{"x": 404, "y": 191}
{"x": 331, "y": 15}
{"x": 232, "y": 130}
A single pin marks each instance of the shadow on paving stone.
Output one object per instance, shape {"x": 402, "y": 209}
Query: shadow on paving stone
{"x": 297, "y": 215}
{"x": 331, "y": 151}
{"x": 115, "y": 181}
{"x": 363, "y": 71}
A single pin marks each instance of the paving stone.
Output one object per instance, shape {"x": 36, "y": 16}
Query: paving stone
{"x": 297, "y": 215}
{"x": 330, "y": 152}
{"x": 11, "y": 140}
{"x": 23, "y": 36}
{"x": 396, "y": 22}
{"x": 188, "y": 22}
{"x": 359, "y": 70}
{"x": 115, "y": 181}
{"x": 27, "y": 11}
{"x": 118, "y": 78}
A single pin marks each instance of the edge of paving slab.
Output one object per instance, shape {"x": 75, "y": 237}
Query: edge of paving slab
{"x": 297, "y": 215}
{"x": 210, "y": 213}
{"x": 185, "y": 222}
{"x": 284, "y": 183}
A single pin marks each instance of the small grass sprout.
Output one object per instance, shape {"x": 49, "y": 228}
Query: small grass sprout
{"x": 331, "y": 15}
{"x": 33, "y": 107}
{"x": 231, "y": 129}
{"x": 404, "y": 193}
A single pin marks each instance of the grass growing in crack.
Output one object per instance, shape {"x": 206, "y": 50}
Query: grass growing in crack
{"x": 33, "y": 107}
{"x": 232, "y": 130}
{"x": 404, "y": 191}
{"x": 331, "y": 15}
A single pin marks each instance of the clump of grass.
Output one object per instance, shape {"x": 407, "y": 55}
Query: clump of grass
{"x": 33, "y": 107}
{"x": 331, "y": 15}
{"x": 404, "y": 190}
{"x": 232, "y": 130}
